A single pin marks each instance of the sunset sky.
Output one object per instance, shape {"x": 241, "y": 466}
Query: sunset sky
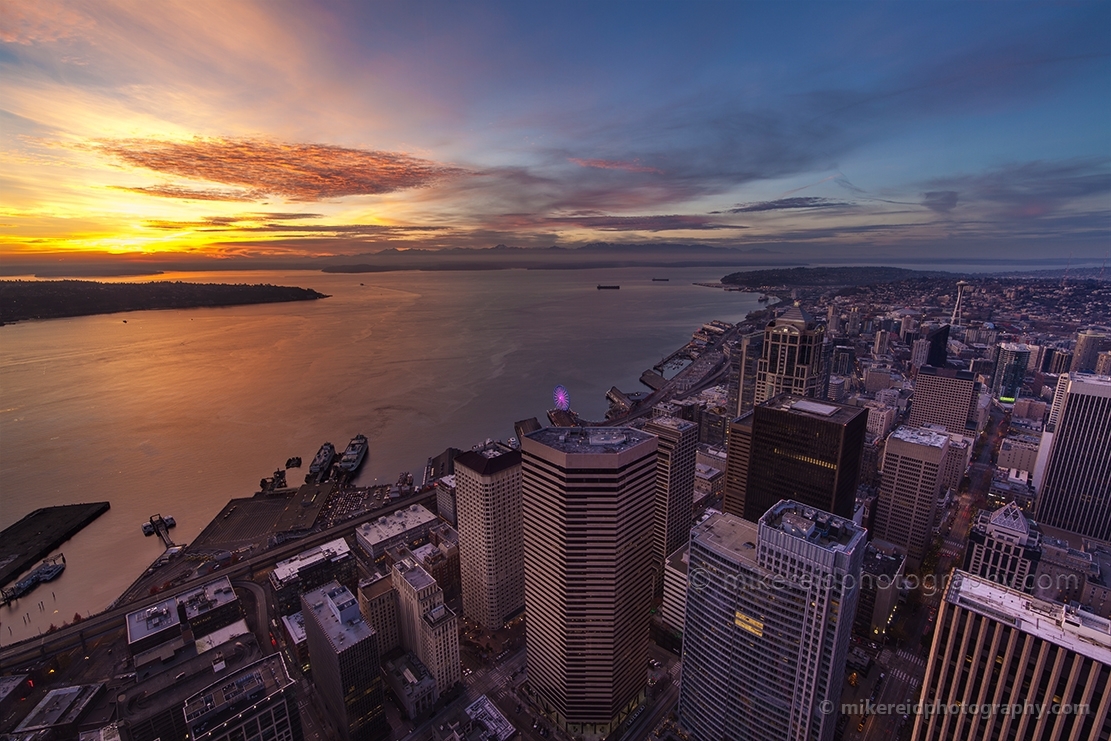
{"x": 236, "y": 128}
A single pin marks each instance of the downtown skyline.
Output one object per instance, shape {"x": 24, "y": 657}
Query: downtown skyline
{"x": 291, "y": 131}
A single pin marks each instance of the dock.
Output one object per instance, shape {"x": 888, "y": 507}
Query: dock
{"x": 27, "y": 542}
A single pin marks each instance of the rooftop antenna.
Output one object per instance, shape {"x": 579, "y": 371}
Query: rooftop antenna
{"x": 955, "y": 321}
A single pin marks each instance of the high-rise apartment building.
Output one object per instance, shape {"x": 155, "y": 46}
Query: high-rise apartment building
{"x": 346, "y": 667}
{"x": 1076, "y": 488}
{"x": 491, "y": 552}
{"x": 1011, "y": 359}
{"x": 1005, "y": 665}
{"x": 256, "y": 701}
{"x": 906, "y": 508}
{"x": 799, "y": 449}
{"x": 589, "y": 497}
{"x": 675, "y": 458}
{"x": 428, "y": 627}
{"x": 946, "y": 397}
{"x": 1089, "y": 344}
{"x": 794, "y": 358}
{"x": 769, "y": 613}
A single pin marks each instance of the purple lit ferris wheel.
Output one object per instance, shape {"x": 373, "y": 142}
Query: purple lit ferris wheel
{"x": 561, "y": 398}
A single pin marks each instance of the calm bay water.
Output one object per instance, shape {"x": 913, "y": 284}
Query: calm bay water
{"x": 175, "y": 412}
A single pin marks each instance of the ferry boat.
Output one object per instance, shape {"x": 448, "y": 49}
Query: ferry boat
{"x": 323, "y": 459}
{"x": 49, "y": 570}
{"x": 607, "y": 288}
{"x": 353, "y": 457}
{"x": 660, "y": 280}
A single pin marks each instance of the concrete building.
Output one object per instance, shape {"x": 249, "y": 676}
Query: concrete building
{"x": 256, "y": 702}
{"x": 946, "y": 397}
{"x": 759, "y": 662}
{"x": 675, "y": 477}
{"x": 589, "y": 497}
{"x": 793, "y": 358}
{"x": 674, "y": 606}
{"x": 1019, "y": 452}
{"x": 1004, "y": 547}
{"x": 881, "y": 417}
{"x": 445, "y": 499}
{"x": 428, "y": 627}
{"x": 995, "y": 645}
{"x": 1103, "y": 363}
{"x": 491, "y": 552}
{"x": 1076, "y": 493}
{"x": 378, "y": 605}
{"x": 412, "y": 685}
{"x": 798, "y": 449}
{"x": 1089, "y": 344}
{"x": 911, "y": 482}
{"x": 346, "y": 668}
{"x": 332, "y": 561}
{"x": 880, "y": 581}
{"x": 407, "y": 528}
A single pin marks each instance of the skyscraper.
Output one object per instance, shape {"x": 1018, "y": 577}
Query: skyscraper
{"x": 939, "y": 346}
{"x": 1011, "y": 359}
{"x": 770, "y": 610}
{"x": 744, "y": 358}
{"x": 999, "y": 648}
{"x": 343, "y": 650}
{"x": 1076, "y": 489}
{"x": 588, "y": 501}
{"x": 920, "y": 353}
{"x": 798, "y": 449}
{"x": 794, "y": 359}
{"x": 946, "y": 397}
{"x": 428, "y": 627}
{"x": 491, "y": 554}
{"x": 1089, "y": 344}
{"x": 907, "y": 504}
{"x": 675, "y": 454}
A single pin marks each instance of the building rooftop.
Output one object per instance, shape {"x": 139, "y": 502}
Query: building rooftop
{"x": 879, "y": 563}
{"x": 414, "y": 574}
{"x": 680, "y": 560}
{"x": 590, "y": 440}
{"x": 733, "y": 537}
{"x": 397, "y": 523}
{"x": 483, "y": 712}
{"x": 921, "y": 436}
{"x": 287, "y": 570}
{"x": 151, "y": 620}
{"x": 1076, "y": 630}
{"x": 824, "y": 410}
{"x": 295, "y": 626}
{"x": 813, "y": 525}
{"x": 8, "y": 685}
{"x": 672, "y": 423}
{"x": 489, "y": 460}
{"x": 337, "y": 613}
{"x": 232, "y": 694}
{"x": 207, "y": 597}
{"x": 62, "y": 706}
{"x": 409, "y": 672}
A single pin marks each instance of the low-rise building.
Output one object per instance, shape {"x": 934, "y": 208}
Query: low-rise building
{"x": 405, "y": 528}
{"x": 412, "y": 685}
{"x": 310, "y": 569}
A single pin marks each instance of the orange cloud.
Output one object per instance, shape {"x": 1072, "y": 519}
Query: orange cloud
{"x": 633, "y": 166}
{"x": 298, "y": 172}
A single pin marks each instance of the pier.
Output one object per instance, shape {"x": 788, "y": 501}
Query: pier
{"x": 28, "y": 541}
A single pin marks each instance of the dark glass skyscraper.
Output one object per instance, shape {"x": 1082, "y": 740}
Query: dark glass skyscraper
{"x": 1011, "y": 360}
{"x": 799, "y": 449}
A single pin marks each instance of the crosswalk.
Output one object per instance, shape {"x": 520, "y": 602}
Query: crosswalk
{"x": 908, "y": 668}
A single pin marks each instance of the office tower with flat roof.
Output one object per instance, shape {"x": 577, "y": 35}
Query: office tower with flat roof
{"x": 906, "y": 508}
{"x": 794, "y": 357}
{"x": 946, "y": 397}
{"x": 378, "y": 604}
{"x": 770, "y": 609}
{"x": 292, "y": 577}
{"x": 255, "y": 702}
{"x": 675, "y": 454}
{"x": 1000, "y": 648}
{"x": 1089, "y": 344}
{"x": 920, "y": 353}
{"x": 939, "y": 346}
{"x": 589, "y": 497}
{"x": 799, "y": 449}
{"x": 1011, "y": 359}
{"x": 744, "y": 357}
{"x": 345, "y": 659}
{"x": 738, "y": 454}
{"x": 1076, "y": 489}
{"x": 427, "y": 626}
{"x": 491, "y": 553}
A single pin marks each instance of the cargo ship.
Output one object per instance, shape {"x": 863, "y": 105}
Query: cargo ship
{"x": 323, "y": 459}
{"x": 353, "y": 457}
{"x": 49, "y": 570}
{"x": 607, "y": 288}
{"x": 660, "y": 280}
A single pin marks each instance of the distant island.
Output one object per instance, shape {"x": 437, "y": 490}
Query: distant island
{"x": 830, "y": 277}
{"x": 52, "y": 299}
